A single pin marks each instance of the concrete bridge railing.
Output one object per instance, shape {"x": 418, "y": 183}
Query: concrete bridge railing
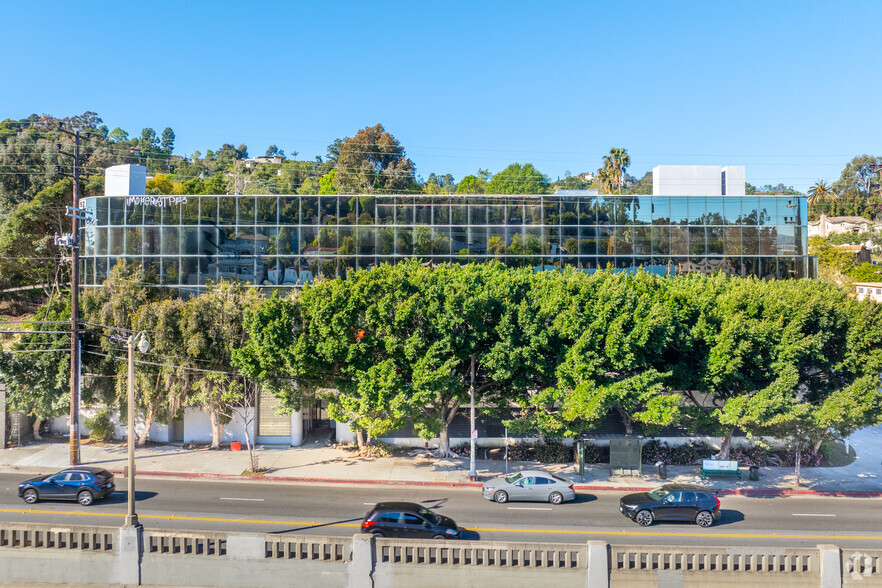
{"x": 75, "y": 554}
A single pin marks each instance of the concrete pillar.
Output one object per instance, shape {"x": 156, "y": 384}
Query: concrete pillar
{"x": 598, "y": 564}
{"x": 344, "y": 433}
{"x": 131, "y": 547}
{"x": 364, "y": 560}
{"x": 831, "y": 566}
{"x": 297, "y": 428}
{"x": 249, "y": 546}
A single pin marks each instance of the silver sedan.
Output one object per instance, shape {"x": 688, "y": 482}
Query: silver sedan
{"x": 529, "y": 485}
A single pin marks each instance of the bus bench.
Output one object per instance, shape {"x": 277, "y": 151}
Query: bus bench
{"x": 713, "y": 467}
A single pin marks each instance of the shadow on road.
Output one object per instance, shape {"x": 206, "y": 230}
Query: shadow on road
{"x": 315, "y": 526}
{"x": 122, "y": 497}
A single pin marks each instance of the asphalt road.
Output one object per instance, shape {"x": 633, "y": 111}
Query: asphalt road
{"x": 253, "y": 506}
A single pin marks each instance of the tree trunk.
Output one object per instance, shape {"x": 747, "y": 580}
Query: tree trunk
{"x": 215, "y": 429}
{"x": 37, "y": 424}
{"x": 725, "y": 445}
{"x": 444, "y": 441}
{"x": 541, "y": 438}
{"x": 359, "y": 438}
{"x": 149, "y": 416}
{"x": 447, "y": 415}
{"x": 798, "y": 460}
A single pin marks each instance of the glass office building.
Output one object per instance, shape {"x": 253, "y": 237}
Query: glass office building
{"x": 286, "y": 241}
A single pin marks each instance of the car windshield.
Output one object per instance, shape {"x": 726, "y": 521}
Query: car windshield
{"x": 430, "y": 516}
{"x": 658, "y": 493}
{"x": 514, "y": 478}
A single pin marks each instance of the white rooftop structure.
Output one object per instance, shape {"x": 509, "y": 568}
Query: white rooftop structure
{"x": 125, "y": 180}
{"x": 698, "y": 180}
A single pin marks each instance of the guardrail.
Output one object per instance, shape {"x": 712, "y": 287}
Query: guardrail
{"x": 714, "y": 559}
{"x": 482, "y": 553}
{"x": 47, "y": 554}
{"x": 57, "y": 537}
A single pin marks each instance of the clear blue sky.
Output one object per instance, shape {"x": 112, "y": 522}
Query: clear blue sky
{"x": 790, "y": 89}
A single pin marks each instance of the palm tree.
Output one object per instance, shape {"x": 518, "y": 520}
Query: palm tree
{"x": 613, "y": 170}
{"x": 820, "y": 191}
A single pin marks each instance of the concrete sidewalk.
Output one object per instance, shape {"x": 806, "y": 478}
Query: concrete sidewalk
{"x": 320, "y": 464}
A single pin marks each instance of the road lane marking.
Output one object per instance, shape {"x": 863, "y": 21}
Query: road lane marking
{"x": 527, "y": 508}
{"x": 709, "y": 535}
{"x": 252, "y": 499}
{"x": 812, "y": 514}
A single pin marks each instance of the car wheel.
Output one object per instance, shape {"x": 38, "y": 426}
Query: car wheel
{"x": 85, "y": 497}
{"x": 30, "y": 496}
{"x": 644, "y": 518}
{"x": 501, "y": 496}
{"x": 439, "y": 537}
{"x": 704, "y": 519}
{"x": 379, "y": 534}
{"x": 555, "y": 498}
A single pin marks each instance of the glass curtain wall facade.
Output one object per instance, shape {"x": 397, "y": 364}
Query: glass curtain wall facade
{"x": 286, "y": 241}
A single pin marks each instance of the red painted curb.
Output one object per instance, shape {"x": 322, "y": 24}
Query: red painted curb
{"x": 426, "y": 483}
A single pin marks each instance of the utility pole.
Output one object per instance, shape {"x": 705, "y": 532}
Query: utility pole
{"x": 74, "y": 300}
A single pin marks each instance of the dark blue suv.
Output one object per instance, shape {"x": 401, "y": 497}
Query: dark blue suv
{"x": 82, "y": 483}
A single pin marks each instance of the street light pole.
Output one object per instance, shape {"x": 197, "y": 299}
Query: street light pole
{"x": 143, "y": 345}
{"x": 473, "y": 473}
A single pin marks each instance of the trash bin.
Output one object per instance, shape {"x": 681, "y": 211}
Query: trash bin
{"x": 236, "y": 446}
{"x": 662, "y": 470}
{"x": 754, "y": 473}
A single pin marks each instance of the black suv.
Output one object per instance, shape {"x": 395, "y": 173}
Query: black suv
{"x": 672, "y": 502}
{"x": 406, "y": 519}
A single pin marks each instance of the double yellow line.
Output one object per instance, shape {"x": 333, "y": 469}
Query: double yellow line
{"x": 707, "y": 535}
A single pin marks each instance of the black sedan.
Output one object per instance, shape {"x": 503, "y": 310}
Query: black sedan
{"x": 672, "y": 502}
{"x": 408, "y": 520}
{"x": 84, "y": 484}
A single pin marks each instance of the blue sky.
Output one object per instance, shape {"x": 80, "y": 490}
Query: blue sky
{"x": 789, "y": 89}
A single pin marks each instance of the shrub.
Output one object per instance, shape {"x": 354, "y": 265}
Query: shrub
{"x": 521, "y": 451}
{"x": 595, "y": 453}
{"x": 686, "y": 454}
{"x": 808, "y": 459}
{"x": 101, "y": 426}
{"x": 375, "y": 449}
{"x": 750, "y": 456}
{"x": 554, "y": 451}
{"x": 462, "y": 450}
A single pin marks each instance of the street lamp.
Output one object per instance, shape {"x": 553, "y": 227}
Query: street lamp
{"x": 143, "y": 345}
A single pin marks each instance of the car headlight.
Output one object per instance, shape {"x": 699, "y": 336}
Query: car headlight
{"x": 629, "y": 506}
{"x": 489, "y": 488}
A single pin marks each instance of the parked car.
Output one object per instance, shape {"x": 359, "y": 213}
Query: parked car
{"x": 529, "y": 485}
{"x": 408, "y": 520}
{"x": 84, "y": 484}
{"x": 672, "y": 502}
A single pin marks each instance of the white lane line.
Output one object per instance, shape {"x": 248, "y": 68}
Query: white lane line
{"x": 812, "y": 514}
{"x": 527, "y": 508}
{"x": 249, "y": 499}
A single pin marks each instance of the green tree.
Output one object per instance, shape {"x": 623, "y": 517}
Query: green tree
{"x": 471, "y": 184}
{"x": 819, "y": 192}
{"x": 611, "y": 175}
{"x": 373, "y": 162}
{"x": 168, "y": 141}
{"x": 212, "y": 327}
{"x": 28, "y": 252}
{"x": 519, "y": 179}
{"x": 36, "y": 370}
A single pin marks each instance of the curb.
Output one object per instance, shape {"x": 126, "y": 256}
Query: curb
{"x": 438, "y": 484}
